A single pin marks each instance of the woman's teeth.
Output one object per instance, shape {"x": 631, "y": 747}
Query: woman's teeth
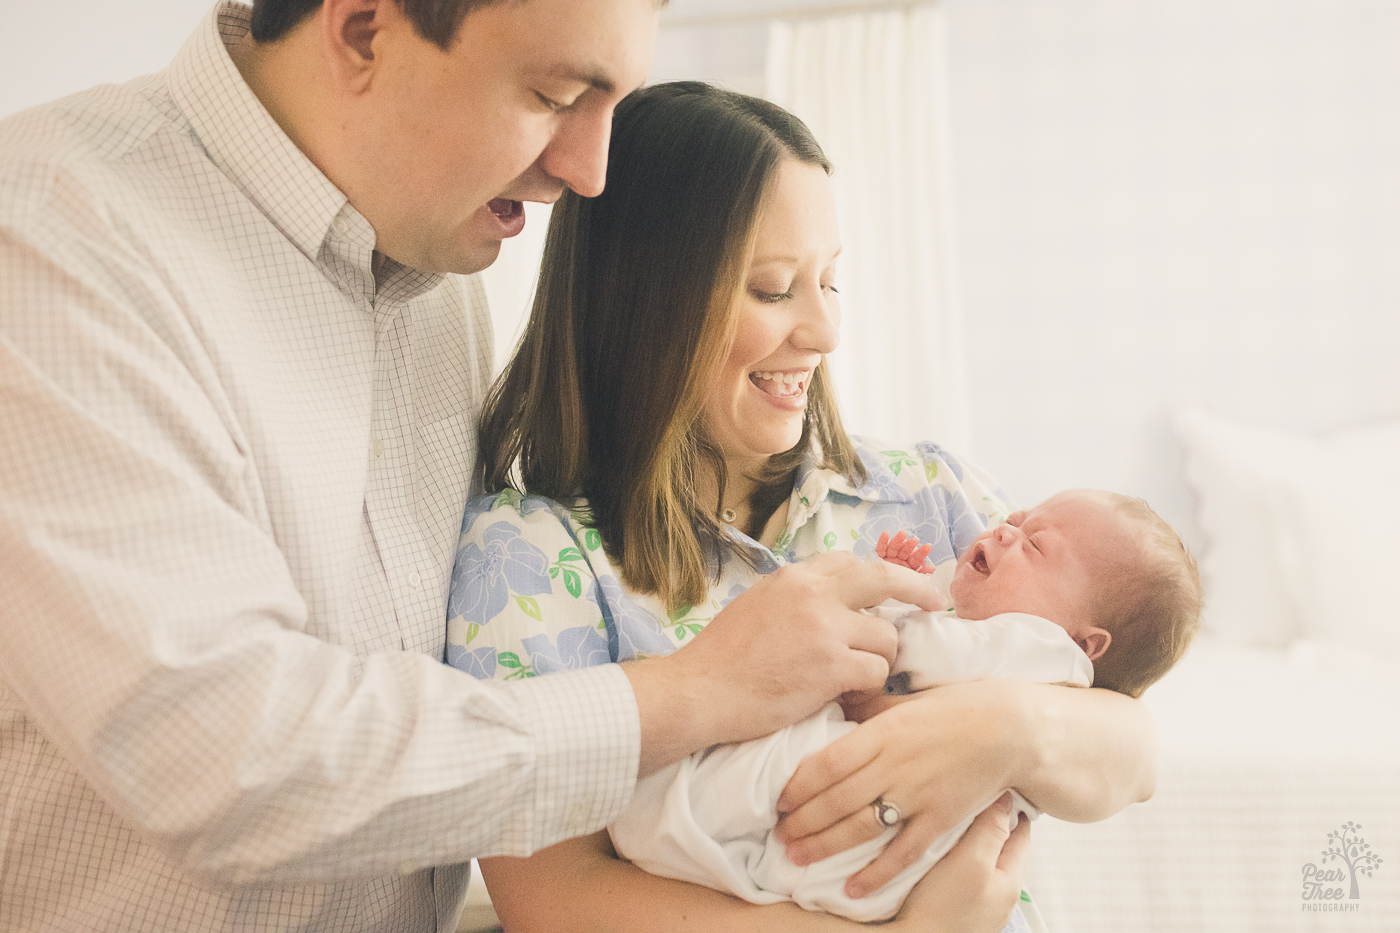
{"x": 782, "y": 385}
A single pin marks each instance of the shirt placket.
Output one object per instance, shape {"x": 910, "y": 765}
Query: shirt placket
{"x": 390, "y": 491}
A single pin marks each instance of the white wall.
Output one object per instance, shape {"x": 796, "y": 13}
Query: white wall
{"x": 1161, "y": 202}
{"x": 54, "y": 49}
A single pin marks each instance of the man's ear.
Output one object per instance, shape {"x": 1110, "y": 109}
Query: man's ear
{"x": 348, "y": 31}
{"x": 1094, "y": 642}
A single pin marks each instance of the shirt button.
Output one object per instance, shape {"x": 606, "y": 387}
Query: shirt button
{"x": 414, "y": 579}
{"x": 377, "y": 447}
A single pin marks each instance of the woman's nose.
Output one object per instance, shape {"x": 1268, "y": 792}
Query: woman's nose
{"x": 820, "y": 326}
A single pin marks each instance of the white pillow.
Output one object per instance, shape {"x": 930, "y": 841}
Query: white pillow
{"x": 1234, "y": 471}
{"x": 1302, "y": 533}
{"x": 1338, "y": 515}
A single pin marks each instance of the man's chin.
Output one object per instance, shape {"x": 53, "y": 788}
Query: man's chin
{"x": 471, "y": 258}
{"x": 479, "y": 258}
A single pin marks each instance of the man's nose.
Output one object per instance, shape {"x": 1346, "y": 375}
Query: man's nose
{"x": 578, "y": 153}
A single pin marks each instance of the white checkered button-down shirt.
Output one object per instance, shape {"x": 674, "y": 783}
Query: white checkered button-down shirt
{"x": 222, "y": 436}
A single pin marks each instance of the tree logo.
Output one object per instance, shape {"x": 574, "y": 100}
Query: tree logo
{"x": 1344, "y": 847}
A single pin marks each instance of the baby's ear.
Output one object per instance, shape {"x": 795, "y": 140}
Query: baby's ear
{"x": 1094, "y": 642}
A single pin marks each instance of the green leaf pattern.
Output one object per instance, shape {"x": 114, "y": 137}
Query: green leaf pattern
{"x": 561, "y": 569}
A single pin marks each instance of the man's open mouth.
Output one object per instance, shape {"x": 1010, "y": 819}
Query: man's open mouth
{"x": 505, "y": 208}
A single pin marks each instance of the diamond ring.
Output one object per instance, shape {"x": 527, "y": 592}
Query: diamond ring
{"x": 886, "y": 814}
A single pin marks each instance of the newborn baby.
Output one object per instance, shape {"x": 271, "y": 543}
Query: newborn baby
{"x": 1087, "y": 587}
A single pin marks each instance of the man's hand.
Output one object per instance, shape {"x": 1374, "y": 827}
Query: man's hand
{"x": 776, "y": 654}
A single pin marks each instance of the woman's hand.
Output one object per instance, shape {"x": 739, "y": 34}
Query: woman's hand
{"x": 1076, "y": 754}
{"x": 938, "y": 755}
{"x": 973, "y": 888}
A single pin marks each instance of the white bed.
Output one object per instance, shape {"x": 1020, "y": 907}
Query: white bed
{"x": 1280, "y": 725}
{"x": 1264, "y": 752}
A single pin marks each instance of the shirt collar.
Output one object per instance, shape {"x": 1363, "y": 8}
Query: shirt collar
{"x": 241, "y": 137}
{"x": 248, "y": 146}
{"x": 810, "y": 488}
{"x": 812, "y": 482}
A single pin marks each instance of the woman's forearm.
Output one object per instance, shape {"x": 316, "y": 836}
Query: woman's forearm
{"x": 580, "y": 884}
{"x": 1087, "y": 753}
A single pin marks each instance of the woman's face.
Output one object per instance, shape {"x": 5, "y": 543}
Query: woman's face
{"x": 788, "y": 320}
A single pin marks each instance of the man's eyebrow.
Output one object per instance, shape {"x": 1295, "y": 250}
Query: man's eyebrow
{"x": 595, "y": 78}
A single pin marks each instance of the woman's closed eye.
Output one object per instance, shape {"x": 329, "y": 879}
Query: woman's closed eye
{"x": 775, "y": 297}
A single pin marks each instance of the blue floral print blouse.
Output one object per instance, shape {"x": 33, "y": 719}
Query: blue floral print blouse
{"x": 533, "y": 592}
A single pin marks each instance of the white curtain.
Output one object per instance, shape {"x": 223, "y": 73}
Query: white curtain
{"x": 873, "y": 89}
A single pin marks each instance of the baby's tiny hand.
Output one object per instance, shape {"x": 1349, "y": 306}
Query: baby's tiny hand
{"x": 904, "y": 549}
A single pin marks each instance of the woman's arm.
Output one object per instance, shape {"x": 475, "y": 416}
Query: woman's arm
{"x": 1077, "y": 754}
{"x": 580, "y": 884}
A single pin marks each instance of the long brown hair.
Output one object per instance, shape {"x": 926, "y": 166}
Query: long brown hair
{"x": 636, "y": 309}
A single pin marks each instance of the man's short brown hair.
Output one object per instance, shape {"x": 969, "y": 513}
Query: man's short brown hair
{"x": 434, "y": 20}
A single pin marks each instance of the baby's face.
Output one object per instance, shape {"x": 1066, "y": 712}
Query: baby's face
{"x": 1045, "y": 561}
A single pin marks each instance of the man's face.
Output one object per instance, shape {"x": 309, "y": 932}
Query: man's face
{"x": 518, "y": 108}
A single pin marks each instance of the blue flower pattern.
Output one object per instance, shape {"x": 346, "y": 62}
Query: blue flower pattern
{"x": 501, "y": 577}
{"x": 490, "y": 569}
{"x": 577, "y": 648}
{"x": 632, "y": 630}
{"x": 479, "y": 662}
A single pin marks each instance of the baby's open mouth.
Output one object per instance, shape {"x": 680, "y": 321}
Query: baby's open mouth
{"x": 781, "y": 385}
{"x": 979, "y": 559}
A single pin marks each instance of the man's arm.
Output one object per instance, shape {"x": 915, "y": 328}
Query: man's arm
{"x": 790, "y": 644}
{"x": 155, "y": 634}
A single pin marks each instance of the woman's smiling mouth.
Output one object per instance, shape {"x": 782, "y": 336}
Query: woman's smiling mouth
{"x": 783, "y": 385}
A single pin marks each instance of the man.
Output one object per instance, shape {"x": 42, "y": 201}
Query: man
{"x": 239, "y": 369}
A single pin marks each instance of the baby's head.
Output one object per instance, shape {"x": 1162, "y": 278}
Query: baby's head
{"x": 1103, "y": 567}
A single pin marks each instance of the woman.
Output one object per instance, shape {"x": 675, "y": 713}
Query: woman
{"x": 670, "y": 417}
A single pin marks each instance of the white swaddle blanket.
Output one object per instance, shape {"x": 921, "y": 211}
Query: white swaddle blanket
{"x": 708, "y": 819}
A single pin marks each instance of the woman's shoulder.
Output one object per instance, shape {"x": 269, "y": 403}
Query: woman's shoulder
{"x": 913, "y": 466}
{"x": 537, "y": 514}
